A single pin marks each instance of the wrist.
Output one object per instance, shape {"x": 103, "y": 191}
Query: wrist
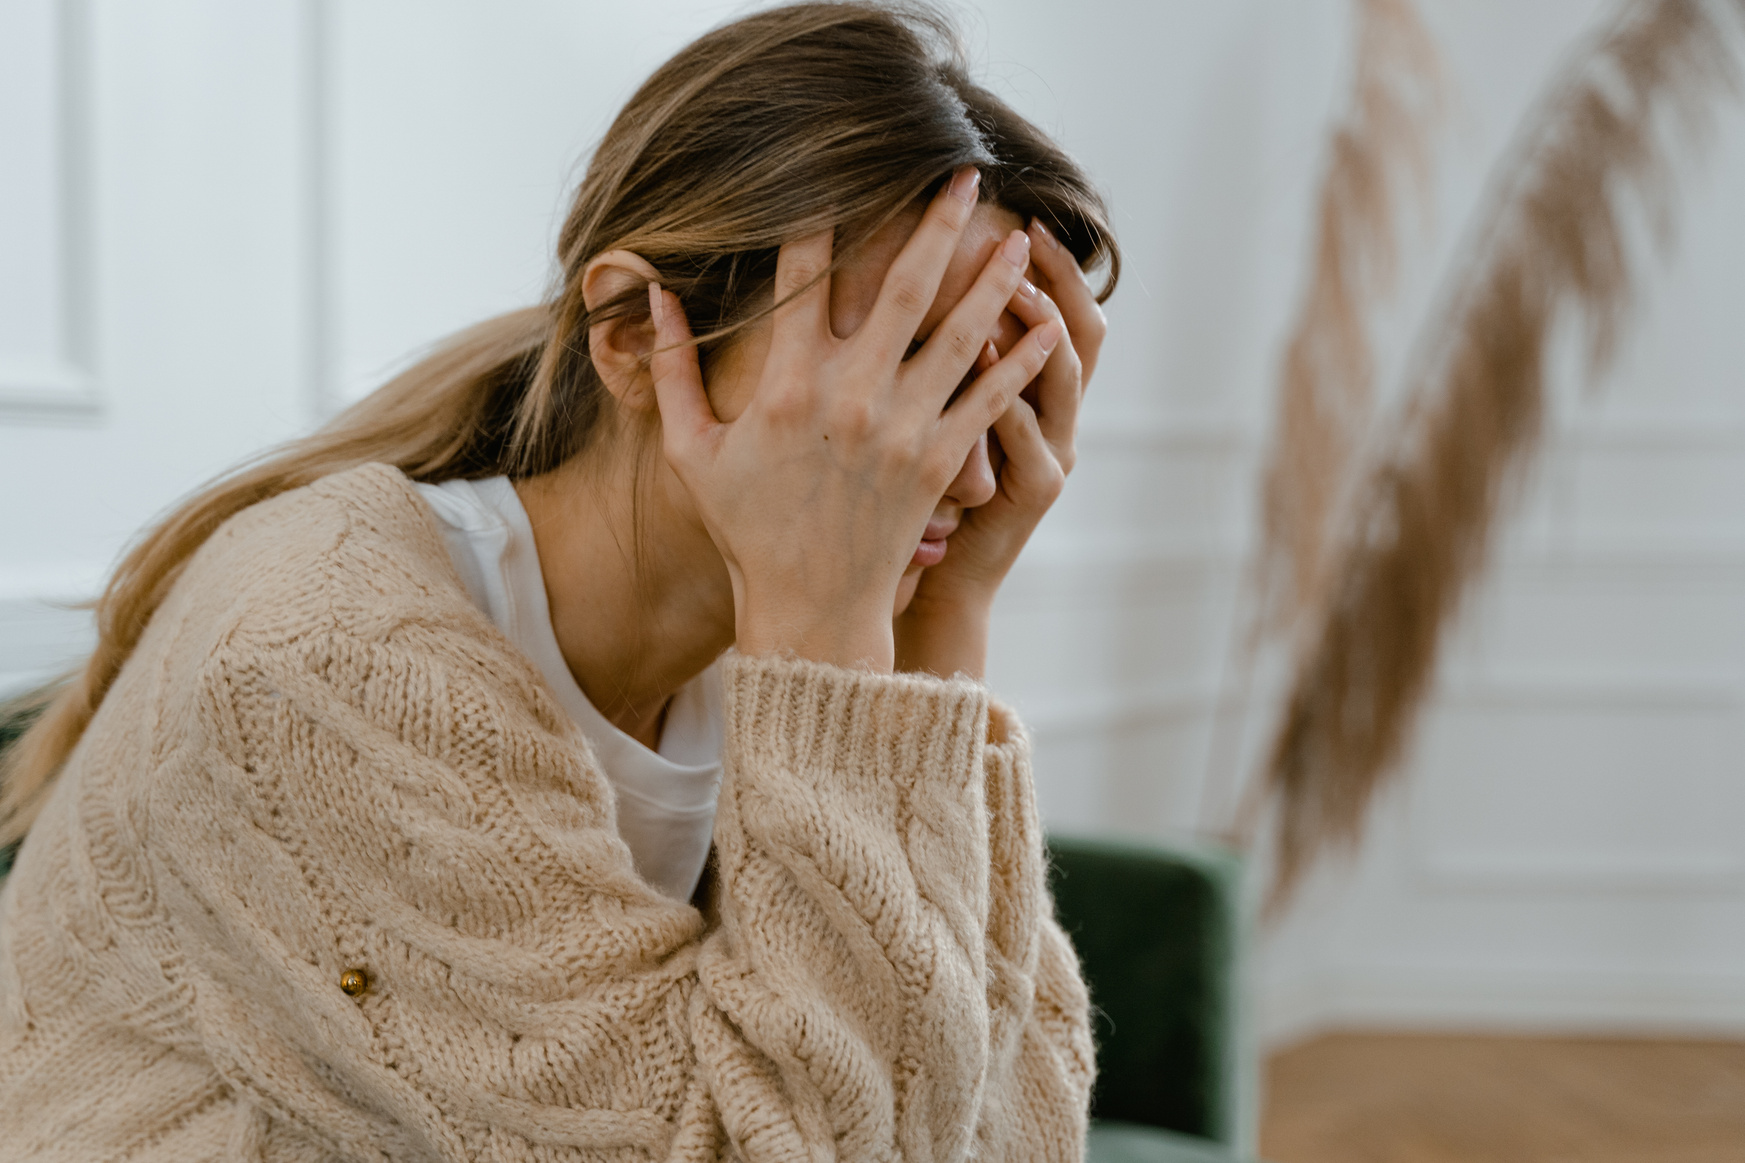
{"x": 855, "y": 641}
{"x": 944, "y": 638}
{"x": 965, "y": 603}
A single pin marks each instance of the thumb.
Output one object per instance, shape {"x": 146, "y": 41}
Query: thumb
{"x": 678, "y": 378}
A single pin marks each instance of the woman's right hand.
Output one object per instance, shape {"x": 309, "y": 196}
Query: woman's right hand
{"x": 818, "y": 493}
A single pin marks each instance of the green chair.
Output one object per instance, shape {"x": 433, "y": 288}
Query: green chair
{"x": 1159, "y": 931}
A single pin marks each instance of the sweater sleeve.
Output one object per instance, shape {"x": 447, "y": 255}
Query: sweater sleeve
{"x": 883, "y": 981}
{"x": 1043, "y": 1059}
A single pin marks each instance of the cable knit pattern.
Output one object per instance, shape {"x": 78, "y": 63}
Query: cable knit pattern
{"x": 323, "y": 758}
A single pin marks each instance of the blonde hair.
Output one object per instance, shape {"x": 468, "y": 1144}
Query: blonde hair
{"x": 785, "y": 122}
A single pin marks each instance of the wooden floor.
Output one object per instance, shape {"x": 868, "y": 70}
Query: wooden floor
{"x": 1397, "y": 1098}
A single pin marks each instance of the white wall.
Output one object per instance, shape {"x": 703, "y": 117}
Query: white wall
{"x": 219, "y": 221}
{"x": 154, "y": 330}
{"x": 1567, "y": 848}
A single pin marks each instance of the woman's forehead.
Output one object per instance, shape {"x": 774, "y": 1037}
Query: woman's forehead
{"x": 855, "y": 287}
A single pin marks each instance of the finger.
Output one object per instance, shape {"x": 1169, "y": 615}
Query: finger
{"x": 913, "y": 280}
{"x": 1033, "y": 472}
{"x": 802, "y": 290}
{"x": 988, "y": 358}
{"x": 1084, "y": 317}
{"x": 992, "y": 392}
{"x": 685, "y": 414}
{"x": 955, "y": 344}
{"x": 1060, "y": 387}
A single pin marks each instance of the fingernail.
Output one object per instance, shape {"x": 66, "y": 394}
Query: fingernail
{"x": 1027, "y": 288}
{"x": 656, "y": 308}
{"x": 1049, "y": 335}
{"x": 964, "y": 183}
{"x": 990, "y": 355}
{"x": 1043, "y": 232}
{"x": 1016, "y": 248}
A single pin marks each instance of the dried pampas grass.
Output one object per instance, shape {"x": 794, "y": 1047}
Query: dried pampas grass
{"x": 1379, "y": 148}
{"x": 1553, "y": 245}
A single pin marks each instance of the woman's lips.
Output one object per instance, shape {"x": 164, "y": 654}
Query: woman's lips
{"x": 931, "y": 551}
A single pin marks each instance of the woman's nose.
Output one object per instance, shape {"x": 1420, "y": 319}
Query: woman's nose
{"x": 974, "y": 483}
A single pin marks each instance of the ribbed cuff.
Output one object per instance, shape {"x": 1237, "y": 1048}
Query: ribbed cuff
{"x": 1019, "y": 891}
{"x": 886, "y": 730}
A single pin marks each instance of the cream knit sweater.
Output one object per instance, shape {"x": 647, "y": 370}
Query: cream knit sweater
{"x": 324, "y": 765}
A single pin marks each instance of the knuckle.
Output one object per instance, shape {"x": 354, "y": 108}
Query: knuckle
{"x": 779, "y": 391}
{"x": 797, "y": 274}
{"x": 1042, "y": 483}
{"x": 854, "y": 417}
{"x": 994, "y": 405}
{"x": 1096, "y": 323}
{"x": 960, "y": 347}
{"x": 677, "y": 449}
{"x": 784, "y": 400}
{"x": 897, "y": 460}
{"x": 908, "y": 293}
{"x": 785, "y": 407}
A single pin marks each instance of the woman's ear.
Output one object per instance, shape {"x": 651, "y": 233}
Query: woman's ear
{"x": 620, "y": 347}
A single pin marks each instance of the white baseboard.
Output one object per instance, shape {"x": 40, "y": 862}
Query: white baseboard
{"x": 1563, "y": 1001}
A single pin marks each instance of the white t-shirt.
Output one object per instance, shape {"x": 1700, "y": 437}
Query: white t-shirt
{"x": 665, "y": 799}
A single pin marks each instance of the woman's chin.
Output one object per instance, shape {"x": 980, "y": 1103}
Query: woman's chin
{"x": 906, "y": 587}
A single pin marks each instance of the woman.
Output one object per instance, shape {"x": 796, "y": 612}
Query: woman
{"x": 414, "y": 806}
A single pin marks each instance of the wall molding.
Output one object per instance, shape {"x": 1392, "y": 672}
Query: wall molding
{"x": 1639, "y": 432}
{"x": 66, "y": 388}
{"x": 1055, "y": 719}
{"x": 1149, "y": 434}
{"x": 320, "y": 289}
{"x": 1662, "y": 869}
{"x": 1532, "y": 562}
{"x": 1652, "y": 432}
{"x": 1526, "y": 692}
{"x": 1614, "y": 873}
{"x": 1522, "y": 693}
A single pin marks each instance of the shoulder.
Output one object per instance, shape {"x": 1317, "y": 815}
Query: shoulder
{"x": 345, "y": 590}
{"x": 349, "y": 571}
{"x": 354, "y": 553}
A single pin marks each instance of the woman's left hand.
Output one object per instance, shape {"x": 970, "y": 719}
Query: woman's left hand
{"x": 944, "y": 630}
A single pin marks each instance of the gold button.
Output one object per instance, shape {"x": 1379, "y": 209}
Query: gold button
{"x": 354, "y": 982}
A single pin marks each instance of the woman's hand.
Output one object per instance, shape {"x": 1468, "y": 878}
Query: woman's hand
{"x": 945, "y": 628}
{"x": 818, "y": 493}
